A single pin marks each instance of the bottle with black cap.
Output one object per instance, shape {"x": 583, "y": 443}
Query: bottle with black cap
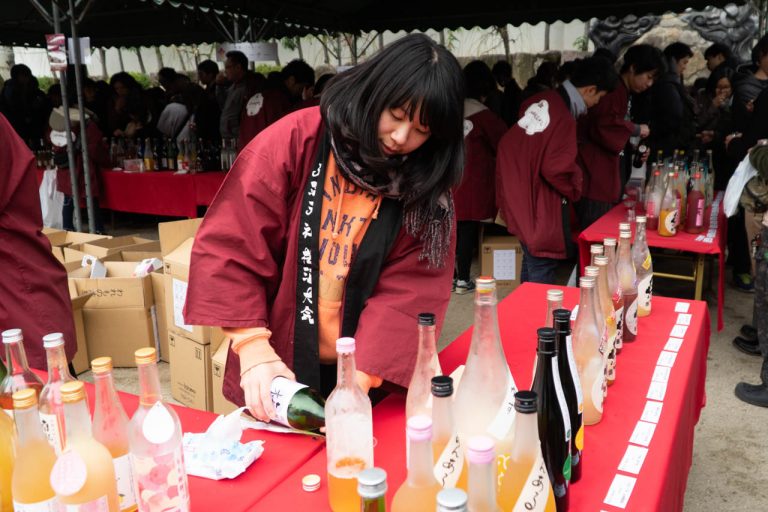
{"x": 525, "y": 484}
{"x": 372, "y": 488}
{"x": 553, "y": 417}
{"x": 427, "y": 366}
{"x": 569, "y": 378}
{"x": 442, "y": 413}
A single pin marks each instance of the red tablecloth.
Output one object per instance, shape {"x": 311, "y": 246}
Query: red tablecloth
{"x": 608, "y": 227}
{"x": 660, "y": 485}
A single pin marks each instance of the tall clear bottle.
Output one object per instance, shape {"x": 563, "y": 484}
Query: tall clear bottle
{"x": 628, "y": 281}
{"x": 482, "y": 474}
{"x": 6, "y": 461}
{"x": 154, "y": 436}
{"x": 83, "y": 476}
{"x": 554, "y": 302}
{"x": 526, "y": 483}
{"x": 697, "y": 200}
{"x": 586, "y": 349}
{"x": 419, "y": 491}
{"x": 641, "y": 257}
{"x": 653, "y": 196}
{"x": 603, "y": 322}
{"x": 51, "y": 408}
{"x": 18, "y": 375}
{"x": 372, "y": 489}
{"x": 349, "y": 432}
{"x": 603, "y": 290}
{"x": 553, "y": 415}
{"x": 480, "y": 397}
{"x": 571, "y": 384}
{"x": 418, "y": 400}
{"x": 710, "y": 181}
{"x": 443, "y": 426}
{"x": 614, "y": 287}
{"x": 110, "y": 428}
{"x": 30, "y": 486}
{"x": 669, "y": 218}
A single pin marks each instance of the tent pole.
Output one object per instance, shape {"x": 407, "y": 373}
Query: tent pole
{"x": 83, "y": 135}
{"x": 76, "y": 221}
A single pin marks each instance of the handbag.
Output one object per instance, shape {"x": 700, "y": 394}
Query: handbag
{"x": 744, "y": 172}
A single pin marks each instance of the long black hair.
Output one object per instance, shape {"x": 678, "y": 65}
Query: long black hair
{"x": 411, "y": 73}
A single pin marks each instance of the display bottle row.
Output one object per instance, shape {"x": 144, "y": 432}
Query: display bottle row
{"x": 172, "y": 154}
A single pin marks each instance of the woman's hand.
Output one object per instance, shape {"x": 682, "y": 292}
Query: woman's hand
{"x": 256, "y": 384}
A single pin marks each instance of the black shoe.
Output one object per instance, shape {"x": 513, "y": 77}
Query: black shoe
{"x": 746, "y": 346}
{"x": 754, "y": 394}
{"x": 748, "y": 332}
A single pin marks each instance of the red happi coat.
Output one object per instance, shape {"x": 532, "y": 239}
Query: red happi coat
{"x": 261, "y": 110}
{"x": 33, "y": 285}
{"x": 98, "y": 154}
{"x": 244, "y": 261}
{"x": 536, "y": 171}
{"x": 474, "y": 198}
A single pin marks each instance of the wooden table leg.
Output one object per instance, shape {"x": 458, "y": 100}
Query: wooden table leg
{"x": 698, "y": 272}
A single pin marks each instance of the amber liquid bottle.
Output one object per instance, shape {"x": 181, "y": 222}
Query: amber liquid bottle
{"x": 19, "y": 375}
{"x": 628, "y": 282}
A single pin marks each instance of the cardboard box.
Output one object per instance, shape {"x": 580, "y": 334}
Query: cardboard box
{"x": 158, "y": 290}
{"x": 218, "y": 363}
{"x": 72, "y": 254}
{"x": 101, "y": 248}
{"x": 173, "y": 234}
{"x": 118, "y": 290}
{"x": 118, "y": 333}
{"x": 132, "y": 255}
{"x": 502, "y": 258}
{"x": 60, "y": 239}
{"x": 81, "y": 362}
{"x": 190, "y": 372}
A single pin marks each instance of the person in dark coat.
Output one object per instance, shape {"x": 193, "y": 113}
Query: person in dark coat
{"x": 748, "y": 86}
{"x": 24, "y": 105}
{"x": 537, "y": 176}
{"x": 34, "y": 285}
{"x": 512, "y": 93}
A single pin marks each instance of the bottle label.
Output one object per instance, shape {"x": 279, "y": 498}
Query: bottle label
{"x": 574, "y": 373}
{"x": 536, "y": 495}
{"x": 126, "y": 491}
{"x": 700, "y": 212}
{"x": 579, "y": 442}
{"x": 612, "y": 366}
{"x": 597, "y": 391}
{"x": 69, "y": 473}
{"x": 505, "y": 417}
{"x": 50, "y": 425}
{"x": 97, "y": 505}
{"x": 669, "y": 221}
{"x": 647, "y": 262}
{"x": 161, "y": 482}
{"x": 158, "y": 426}
{"x": 619, "y": 328}
{"x": 51, "y": 505}
{"x": 645, "y": 292}
{"x": 450, "y": 463}
{"x": 630, "y": 319}
{"x": 567, "y": 466}
{"x": 282, "y": 391}
{"x": 561, "y": 401}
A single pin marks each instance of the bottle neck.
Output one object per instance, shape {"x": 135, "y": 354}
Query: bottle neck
{"x": 526, "y": 435}
{"x": 28, "y": 426}
{"x": 442, "y": 417}
{"x": 420, "y": 464}
{"x": 78, "y": 420}
{"x": 552, "y": 306}
{"x": 346, "y": 371}
{"x": 640, "y": 233}
{"x": 482, "y": 486}
{"x": 149, "y": 385}
{"x": 106, "y": 394}
{"x": 15, "y": 358}
{"x": 485, "y": 335}
{"x": 58, "y": 369}
{"x": 625, "y": 250}
{"x": 427, "y": 354}
{"x": 586, "y": 301}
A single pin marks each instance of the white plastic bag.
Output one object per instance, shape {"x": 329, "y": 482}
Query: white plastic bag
{"x": 51, "y": 201}
{"x": 744, "y": 172}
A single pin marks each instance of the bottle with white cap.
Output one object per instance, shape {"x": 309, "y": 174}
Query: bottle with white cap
{"x": 19, "y": 375}
{"x": 595, "y": 250}
{"x": 51, "y": 408}
{"x": 372, "y": 488}
{"x": 348, "y": 432}
{"x": 419, "y": 491}
{"x": 482, "y": 474}
{"x": 554, "y": 301}
{"x": 452, "y": 500}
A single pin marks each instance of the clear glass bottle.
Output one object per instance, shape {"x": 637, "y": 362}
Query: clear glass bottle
{"x": 697, "y": 200}
{"x": 710, "y": 181}
{"x": 628, "y": 281}
{"x": 614, "y": 287}
{"x": 419, "y": 491}
{"x": 452, "y": 500}
{"x": 443, "y": 426}
{"x": 526, "y": 481}
{"x": 482, "y": 475}
{"x": 372, "y": 489}
{"x": 30, "y": 487}
{"x": 6, "y": 461}
{"x": 603, "y": 290}
{"x": 18, "y": 375}
{"x": 553, "y": 415}
{"x": 348, "y": 432}
{"x": 418, "y": 400}
{"x": 681, "y": 190}
{"x": 641, "y": 256}
{"x": 96, "y": 488}
{"x": 154, "y": 436}
{"x": 571, "y": 384}
{"x": 603, "y": 321}
{"x": 653, "y": 199}
{"x": 586, "y": 349}
{"x": 554, "y": 301}
{"x": 51, "y": 408}
{"x": 110, "y": 428}
{"x": 669, "y": 218}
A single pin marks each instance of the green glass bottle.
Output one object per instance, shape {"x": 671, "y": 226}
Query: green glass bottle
{"x": 372, "y": 488}
{"x": 297, "y": 406}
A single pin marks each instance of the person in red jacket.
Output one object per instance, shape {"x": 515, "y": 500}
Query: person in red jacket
{"x": 33, "y": 286}
{"x": 475, "y": 197}
{"x": 537, "y": 177}
{"x": 606, "y": 129}
{"x": 336, "y": 221}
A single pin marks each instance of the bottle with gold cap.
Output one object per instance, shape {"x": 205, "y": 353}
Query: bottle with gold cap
{"x": 6, "y": 461}
{"x": 83, "y": 476}
{"x": 554, "y": 301}
{"x": 19, "y": 375}
{"x": 110, "y": 428}
{"x": 154, "y": 435}
{"x": 30, "y": 486}
{"x": 51, "y": 408}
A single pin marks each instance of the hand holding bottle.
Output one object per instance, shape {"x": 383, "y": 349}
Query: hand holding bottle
{"x": 256, "y": 383}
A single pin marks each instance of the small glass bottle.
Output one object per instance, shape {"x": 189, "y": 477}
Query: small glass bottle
{"x": 482, "y": 474}
{"x": 694, "y": 223}
{"x": 372, "y": 488}
{"x": 443, "y": 428}
{"x": 554, "y": 301}
{"x": 628, "y": 282}
{"x": 653, "y": 196}
{"x": 669, "y": 218}
{"x": 452, "y": 500}
{"x": 348, "y": 432}
{"x": 51, "y": 408}
{"x": 110, "y": 428}
{"x": 154, "y": 436}
{"x": 96, "y": 489}
{"x": 30, "y": 486}
{"x": 586, "y": 349}
{"x": 18, "y": 376}
{"x": 614, "y": 288}
{"x": 418, "y": 399}
{"x": 641, "y": 257}
{"x": 419, "y": 491}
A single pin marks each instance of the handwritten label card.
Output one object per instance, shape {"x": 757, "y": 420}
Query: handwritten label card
{"x": 678, "y": 331}
{"x": 574, "y": 313}
{"x": 673, "y": 344}
{"x": 643, "y": 433}
{"x": 656, "y": 391}
{"x": 684, "y": 319}
{"x": 652, "y": 411}
{"x": 682, "y": 307}
{"x": 504, "y": 264}
{"x": 620, "y": 491}
{"x": 667, "y": 359}
{"x": 661, "y": 374}
{"x": 633, "y": 459}
{"x": 179, "y": 299}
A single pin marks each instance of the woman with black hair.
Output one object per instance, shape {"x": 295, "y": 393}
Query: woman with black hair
{"x": 337, "y": 221}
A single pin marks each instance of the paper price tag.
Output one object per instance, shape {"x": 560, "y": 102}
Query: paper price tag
{"x": 574, "y": 313}
{"x": 620, "y": 491}
{"x": 179, "y": 299}
{"x": 656, "y": 391}
{"x": 678, "y": 331}
{"x": 643, "y": 433}
{"x": 652, "y": 411}
{"x": 450, "y": 463}
{"x": 633, "y": 459}
{"x": 684, "y": 319}
{"x": 661, "y": 374}
{"x": 666, "y": 359}
{"x": 673, "y": 344}
{"x": 682, "y": 307}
